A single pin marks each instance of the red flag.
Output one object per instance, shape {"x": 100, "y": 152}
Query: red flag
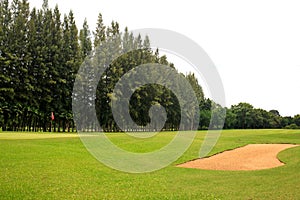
{"x": 52, "y": 116}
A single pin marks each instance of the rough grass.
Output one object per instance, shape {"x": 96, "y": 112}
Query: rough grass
{"x": 57, "y": 166}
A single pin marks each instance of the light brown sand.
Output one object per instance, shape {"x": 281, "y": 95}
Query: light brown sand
{"x": 249, "y": 157}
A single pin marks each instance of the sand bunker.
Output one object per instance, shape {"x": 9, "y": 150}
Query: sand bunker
{"x": 249, "y": 157}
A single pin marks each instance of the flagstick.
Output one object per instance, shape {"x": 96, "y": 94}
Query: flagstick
{"x": 52, "y": 118}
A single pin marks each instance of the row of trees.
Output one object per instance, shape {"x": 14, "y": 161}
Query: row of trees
{"x": 245, "y": 116}
{"x": 41, "y": 52}
{"x": 39, "y": 57}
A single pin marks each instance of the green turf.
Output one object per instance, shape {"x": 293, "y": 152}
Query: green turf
{"x": 57, "y": 166}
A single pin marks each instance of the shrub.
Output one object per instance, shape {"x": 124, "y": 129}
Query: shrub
{"x": 292, "y": 126}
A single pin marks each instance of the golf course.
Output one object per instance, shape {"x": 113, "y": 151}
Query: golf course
{"x": 123, "y": 100}
{"x": 58, "y": 166}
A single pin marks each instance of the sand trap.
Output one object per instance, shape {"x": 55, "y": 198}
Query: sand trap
{"x": 249, "y": 157}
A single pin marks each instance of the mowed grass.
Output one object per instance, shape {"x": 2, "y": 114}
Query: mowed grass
{"x": 57, "y": 166}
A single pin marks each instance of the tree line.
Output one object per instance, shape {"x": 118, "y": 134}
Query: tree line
{"x": 39, "y": 57}
{"x": 41, "y": 51}
{"x": 40, "y": 54}
{"x": 245, "y": 116}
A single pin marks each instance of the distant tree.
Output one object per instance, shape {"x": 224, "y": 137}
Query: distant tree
{"x": 196, "y": 87}
{"x": 274, "y": 119}
{"x": 297, "y": 119}
{"x": 244, "y": 113}
{"x": 231, "y": 119}
{"x": 286, "y": 121}
{"x": 275, "y": 112}
{"x": 205, "y": 113}
{"x": 218, "y": 114}
{"x": 292, "y": 126}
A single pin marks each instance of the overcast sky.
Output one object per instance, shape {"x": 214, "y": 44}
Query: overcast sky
{"x": 255, "y": 44}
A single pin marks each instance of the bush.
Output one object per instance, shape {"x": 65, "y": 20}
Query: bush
{"x": 292, "y": 126}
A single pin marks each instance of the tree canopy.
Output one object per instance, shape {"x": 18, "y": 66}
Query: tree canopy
{"x": 41, "y": 51}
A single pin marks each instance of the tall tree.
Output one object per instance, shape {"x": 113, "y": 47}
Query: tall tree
{"x": 244, "y": 114}
{"x": 196, "y": 87}
{"x": 7, "y": 92}
{"x": 18, "y": 47}
{"x": 85, "y": 40}
{"x": 99, "y": 34}
{"x": 71, "y": 63}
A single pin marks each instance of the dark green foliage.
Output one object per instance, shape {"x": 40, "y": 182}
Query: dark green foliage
{"x": 39, "y": 59}
{"x": 292, "y": 126}
{"x": 144, "y": 97}
{"x": 40, "y": 56}
{"x": 245, "y": 116}
{"x": 297, "y": 120}
{"x": 35, "y": 68}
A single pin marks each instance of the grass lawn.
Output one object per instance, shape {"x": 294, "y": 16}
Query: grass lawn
{"x": 57, "y": 166}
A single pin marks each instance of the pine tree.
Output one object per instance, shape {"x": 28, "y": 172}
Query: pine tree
{"x": 33, "y": 48}
{"x": 72, "y": 60}
{"x": 19, "y": 76}
{"x": 57, "y": 104}
{"x": 126, "y": 44}
{"x": 196, "y": 87}
{"x": 85, "y": 40}
{"x": 7, "y": 92}
{"x": 46, "y": 79}
{"x": 99, "y": 34}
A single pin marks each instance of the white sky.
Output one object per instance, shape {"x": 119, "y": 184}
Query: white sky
{"x": 255, "y": 44}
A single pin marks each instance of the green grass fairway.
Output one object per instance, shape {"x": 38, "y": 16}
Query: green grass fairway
{"x": 57, "y": 166}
